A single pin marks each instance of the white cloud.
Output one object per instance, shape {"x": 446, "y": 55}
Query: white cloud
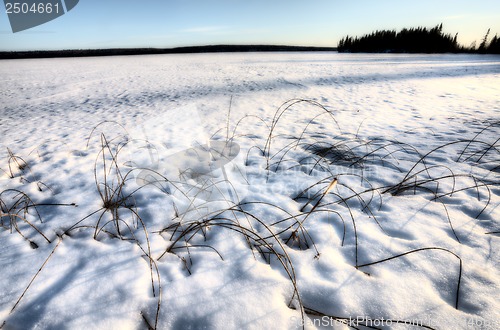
{"x": 207, "y": 29}
{"x": 454, "y": 17}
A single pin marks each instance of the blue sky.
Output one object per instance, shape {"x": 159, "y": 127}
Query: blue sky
{"x": 172, "y": 23}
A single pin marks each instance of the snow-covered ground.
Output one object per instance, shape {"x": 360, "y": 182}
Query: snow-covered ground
{"x": 250, "y": 191}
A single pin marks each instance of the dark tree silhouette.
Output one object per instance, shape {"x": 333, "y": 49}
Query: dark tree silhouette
{"x": 494, "y": 46}
{"x": 414, "y": 40}
{"x": 484, "y": 44}
{"x": 146, "y": 51}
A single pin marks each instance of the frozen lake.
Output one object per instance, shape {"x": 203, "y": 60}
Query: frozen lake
{"x": 336, "y": 162}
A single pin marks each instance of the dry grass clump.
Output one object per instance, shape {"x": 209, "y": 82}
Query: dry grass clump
{"x": 14, "y": 212}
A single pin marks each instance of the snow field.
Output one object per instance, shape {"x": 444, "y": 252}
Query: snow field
{"x": 412, "y": 141}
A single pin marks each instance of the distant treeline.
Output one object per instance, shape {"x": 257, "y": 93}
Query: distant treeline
{"x": 415, "y": 40}
{"x": 148, "y": 51}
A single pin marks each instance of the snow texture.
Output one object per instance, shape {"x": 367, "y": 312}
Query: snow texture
{"x": 190, "y": 192}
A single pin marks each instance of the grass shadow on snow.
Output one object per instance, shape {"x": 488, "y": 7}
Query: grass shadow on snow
{"x": 336, "y": 166}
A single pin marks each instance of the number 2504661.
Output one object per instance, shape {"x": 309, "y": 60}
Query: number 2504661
{"x": 34, "y": 8}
